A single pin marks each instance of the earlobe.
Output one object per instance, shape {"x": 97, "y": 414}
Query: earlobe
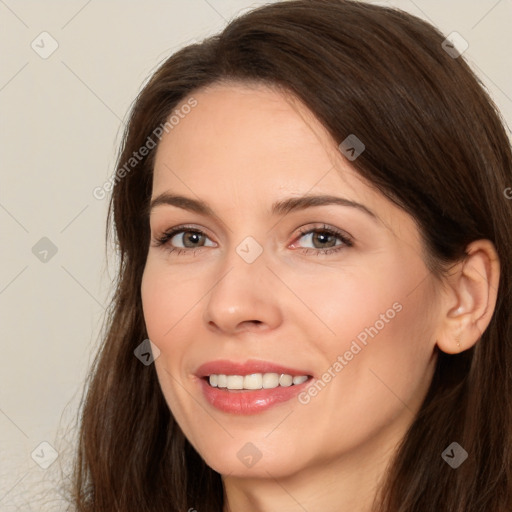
{"x": 474, "y": 289}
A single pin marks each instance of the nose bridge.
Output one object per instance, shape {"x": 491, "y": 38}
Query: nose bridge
{"x": 245, "y": 260}
{"x": 239, "y": 298}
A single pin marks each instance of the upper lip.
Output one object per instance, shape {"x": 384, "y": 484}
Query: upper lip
{"x": 226, "y": 367}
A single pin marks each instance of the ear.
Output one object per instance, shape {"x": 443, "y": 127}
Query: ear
{"x": 470, "y": 298}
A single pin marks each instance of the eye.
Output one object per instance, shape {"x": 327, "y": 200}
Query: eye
{"x": 183, "y": 239}
{"x": 188, "y": 240}
{"x": 324, "y": 240}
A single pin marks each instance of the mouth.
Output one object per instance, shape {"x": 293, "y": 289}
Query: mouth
{"x": 254, "y": 381}
{"x": 251, "y": 387}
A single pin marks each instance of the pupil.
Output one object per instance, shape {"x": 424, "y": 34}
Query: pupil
{"x": 323, "y": 237}
{"x": 192, "y": 238}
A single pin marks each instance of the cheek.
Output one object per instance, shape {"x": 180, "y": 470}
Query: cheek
{"x": 381, "y": 300}
{"x": 166, "y": 302}
{"x": 166, "y": 299}
{"x": 378, "y": 348}
{"x": 346, "y": 303}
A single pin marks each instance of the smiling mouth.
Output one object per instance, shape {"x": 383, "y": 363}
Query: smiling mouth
{"x": 251, "y": 393}
{"x": 254, "y": 381}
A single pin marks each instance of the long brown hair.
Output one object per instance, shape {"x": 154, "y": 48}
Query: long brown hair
{"x": 435, "y": 145}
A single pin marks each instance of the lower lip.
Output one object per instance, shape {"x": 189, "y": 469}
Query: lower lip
{"x": 249, "y": 402}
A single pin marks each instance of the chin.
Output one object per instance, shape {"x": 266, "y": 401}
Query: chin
{"x": 245, "y": 460}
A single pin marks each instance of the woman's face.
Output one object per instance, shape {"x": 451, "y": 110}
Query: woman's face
{"x": 334, "y": 289}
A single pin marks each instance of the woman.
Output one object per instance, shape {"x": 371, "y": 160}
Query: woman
{"x": 314, "y": 234}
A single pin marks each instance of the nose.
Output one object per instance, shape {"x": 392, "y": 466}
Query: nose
{"x": 244, "y": 297}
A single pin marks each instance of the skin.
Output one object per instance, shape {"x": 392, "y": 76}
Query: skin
{"x": 242, "y": 148}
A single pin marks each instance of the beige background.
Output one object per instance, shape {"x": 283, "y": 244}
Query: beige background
{"x": 60, "y": 123}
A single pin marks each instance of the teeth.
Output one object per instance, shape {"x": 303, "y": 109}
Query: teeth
{"x": 270, "y": 380}
{"x": 255, "y": 381}
{"x": 285, "y": 380}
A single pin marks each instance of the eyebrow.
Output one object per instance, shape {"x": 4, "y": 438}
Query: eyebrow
{"x": 278, "y": 208}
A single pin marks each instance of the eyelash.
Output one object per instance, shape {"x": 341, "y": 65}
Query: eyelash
{"x": 163, "y": 240}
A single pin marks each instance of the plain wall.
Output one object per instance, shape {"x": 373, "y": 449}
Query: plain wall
{"x": 60, "y": 123}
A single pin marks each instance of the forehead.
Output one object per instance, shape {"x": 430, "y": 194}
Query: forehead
{"x": 249, "y": 134}
{"x": 243, "y": 148}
